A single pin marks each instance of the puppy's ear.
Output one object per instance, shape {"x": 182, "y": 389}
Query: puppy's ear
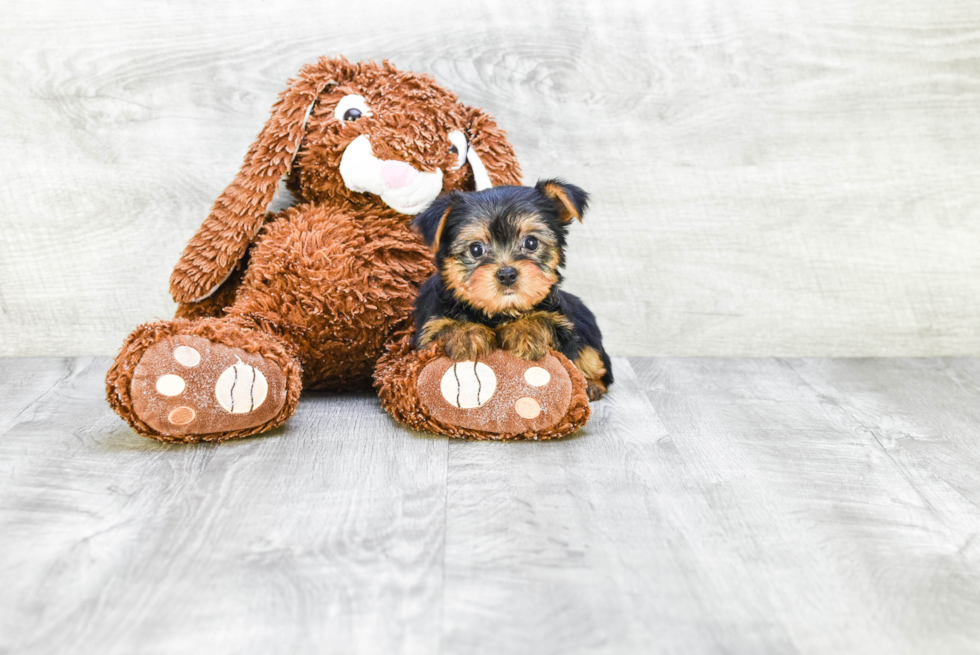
{"x": 213, "y": 253}
{"x": 570, "y": 200}
{"x": 432, "y": 222}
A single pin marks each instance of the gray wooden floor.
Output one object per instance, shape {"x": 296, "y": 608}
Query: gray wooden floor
{"x": 712, "y": 505}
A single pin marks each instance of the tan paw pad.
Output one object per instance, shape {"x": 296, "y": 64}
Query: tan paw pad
{"x": 170, "y": 385}
{"x": 186, "y": 384}
{"x": 537, "y": 376}
{"x": 468, "y": 385}
{"x": 527, "y": 408}
{"x": 181, "y": 415}
{"x": 187, "y": 356}
{"x": 241, "y": 389}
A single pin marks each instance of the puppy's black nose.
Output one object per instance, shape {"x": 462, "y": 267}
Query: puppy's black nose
{"x": 507, "y": 275}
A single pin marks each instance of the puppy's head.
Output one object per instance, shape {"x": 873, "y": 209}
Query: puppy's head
{"x": 500, "y": 250}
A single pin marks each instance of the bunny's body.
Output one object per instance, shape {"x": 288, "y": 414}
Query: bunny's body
{"x": 314, "y": 295}
{"x": 337, "y": 282}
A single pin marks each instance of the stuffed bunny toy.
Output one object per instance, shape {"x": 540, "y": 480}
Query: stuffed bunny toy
{"x": 312, "y": 297}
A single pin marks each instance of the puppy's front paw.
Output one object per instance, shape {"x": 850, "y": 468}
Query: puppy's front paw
{"x": 467, "y": 342}
{"x": 527, "y": 338}
{"x": 589, "y": 361}
{"x": 595, "y": 389}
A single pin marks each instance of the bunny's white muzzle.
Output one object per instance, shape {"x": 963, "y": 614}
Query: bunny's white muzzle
{"x": 399, "y": 185}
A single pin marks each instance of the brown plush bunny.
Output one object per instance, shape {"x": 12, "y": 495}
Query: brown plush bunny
{"x": 313, "y": 296}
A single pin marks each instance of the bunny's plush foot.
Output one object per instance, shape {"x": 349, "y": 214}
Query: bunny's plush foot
{"x": 499, "y": 396}
{"x": 187, "y": 387}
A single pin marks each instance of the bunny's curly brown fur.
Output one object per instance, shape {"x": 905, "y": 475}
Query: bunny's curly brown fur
{"x": 330, "y": 281}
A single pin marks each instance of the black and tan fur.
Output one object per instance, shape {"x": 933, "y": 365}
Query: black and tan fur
{"x": 498, "y": 253}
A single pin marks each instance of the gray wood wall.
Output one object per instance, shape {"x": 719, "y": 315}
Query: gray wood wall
{"x": 782, "y": 177}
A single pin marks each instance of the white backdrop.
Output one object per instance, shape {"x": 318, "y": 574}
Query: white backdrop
{"x": 770, "y": 177}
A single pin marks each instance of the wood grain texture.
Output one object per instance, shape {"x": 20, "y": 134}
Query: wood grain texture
{"x": 710, "y": 506}
{"x": 305, "y": 541}
{"x": 769, "y": 177}
{"x": 808, "y": 501}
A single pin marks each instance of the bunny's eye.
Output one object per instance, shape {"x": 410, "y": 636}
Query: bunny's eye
{"x": 350, "y": 108}
{"x": 458, "y": 148}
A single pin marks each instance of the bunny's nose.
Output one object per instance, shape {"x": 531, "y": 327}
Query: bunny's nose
{"x": 397, "y": 174}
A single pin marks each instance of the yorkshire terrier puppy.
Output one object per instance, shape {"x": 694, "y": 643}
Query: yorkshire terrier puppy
{"x": 499, "y": 252}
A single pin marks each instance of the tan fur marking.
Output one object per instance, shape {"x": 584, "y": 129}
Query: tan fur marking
{"x": 531, "y": 223}
{"x": 589, "y": 361}
{"x": 467, "y": 342}
{"x": 533, "y": 283}
{"x": 553, "y": 259}
{"x": 454, "y": 275}
{"x": 462, "y": 341}
{"x": 555, "y": 192}
{"x": 530, "y": 336}
{"x": 483, "y": 291}
{"x": 557, "y": 320}
{"x": 473, "y": 232}
{"x": 432, "y": 328}
{"x": 440, "y": 228}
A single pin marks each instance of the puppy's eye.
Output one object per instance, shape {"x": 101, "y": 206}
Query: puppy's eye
{"x": 477, "y": 250}
{"x": 531, "y": 244}
{"x": 351, "y": 107}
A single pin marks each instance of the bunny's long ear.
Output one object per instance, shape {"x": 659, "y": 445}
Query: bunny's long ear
{"x": 490, "y": 155}
{"x": 215, "y": 250}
